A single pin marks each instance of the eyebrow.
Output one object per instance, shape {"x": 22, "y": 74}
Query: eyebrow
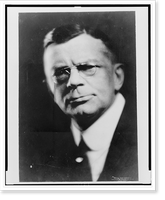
{"x": 62, "y": 64}
{"x": 91, "y": 61}
{"x": 56, "y": 65}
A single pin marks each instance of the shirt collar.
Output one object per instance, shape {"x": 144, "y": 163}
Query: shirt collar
{"x": 99, "y": 135}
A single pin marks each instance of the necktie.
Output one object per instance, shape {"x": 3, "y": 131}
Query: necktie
{"x": 82, "y": 168}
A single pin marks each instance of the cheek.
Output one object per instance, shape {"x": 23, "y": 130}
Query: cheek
{"x": 50, "y": 85}
{"x": 104, "y": 88}
{"x": 59, "y": 96}
{"x": 105, "y": 96}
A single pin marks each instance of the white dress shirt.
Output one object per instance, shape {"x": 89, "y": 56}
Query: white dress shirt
{"x": 99, "y": 135}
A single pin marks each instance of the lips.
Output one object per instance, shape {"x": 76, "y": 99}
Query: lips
{"x": 80, "y": 99}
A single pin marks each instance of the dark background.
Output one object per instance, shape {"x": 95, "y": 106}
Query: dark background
{"x": 37, "y": 111}
{"x": 39, "y": 117}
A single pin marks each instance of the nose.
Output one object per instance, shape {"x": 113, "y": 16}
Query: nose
{"x": 74, "y": 79}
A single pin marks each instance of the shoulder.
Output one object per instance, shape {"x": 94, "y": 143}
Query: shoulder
{"x": 122, "y": 158}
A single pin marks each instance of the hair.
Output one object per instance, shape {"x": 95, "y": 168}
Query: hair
{"x": 65, "y": 33}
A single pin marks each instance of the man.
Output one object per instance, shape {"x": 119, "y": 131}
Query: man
{"x": 84, "y": 75}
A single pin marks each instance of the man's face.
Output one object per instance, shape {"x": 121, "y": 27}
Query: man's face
{"x": 78, "y": 96}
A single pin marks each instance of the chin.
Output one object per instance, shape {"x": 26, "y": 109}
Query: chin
{"x": 84, "y": 110}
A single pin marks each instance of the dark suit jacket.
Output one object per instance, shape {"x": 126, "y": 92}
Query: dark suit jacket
{"x": 51, "y": 156}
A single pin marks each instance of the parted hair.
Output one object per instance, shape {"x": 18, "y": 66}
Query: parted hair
{"x": 65, "y": 33}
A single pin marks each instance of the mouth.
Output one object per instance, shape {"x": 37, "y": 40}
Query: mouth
{"x": 78, "y": 100}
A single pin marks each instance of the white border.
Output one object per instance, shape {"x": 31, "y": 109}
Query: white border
{"x": 142, "y": 91}
{"x": 12, "y": 175}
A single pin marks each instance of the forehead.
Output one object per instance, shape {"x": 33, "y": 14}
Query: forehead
{"x": 79, "y": 49}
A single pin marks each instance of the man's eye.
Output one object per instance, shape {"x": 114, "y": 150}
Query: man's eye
{"x": 85, "y": 67}
{"x": 60, "y": 72}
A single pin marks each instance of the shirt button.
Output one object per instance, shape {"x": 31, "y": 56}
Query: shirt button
{"x": 79, "y": 159}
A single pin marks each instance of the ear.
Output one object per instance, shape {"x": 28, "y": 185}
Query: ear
{"x": 119, "y": 76}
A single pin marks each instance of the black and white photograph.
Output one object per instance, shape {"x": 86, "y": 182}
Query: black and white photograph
{"x": 82, "y": 100}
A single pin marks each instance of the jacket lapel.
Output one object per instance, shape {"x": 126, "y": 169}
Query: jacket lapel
{"x": 121, "y": 162}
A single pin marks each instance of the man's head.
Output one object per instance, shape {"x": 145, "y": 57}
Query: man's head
{"x": 82, "y": 72}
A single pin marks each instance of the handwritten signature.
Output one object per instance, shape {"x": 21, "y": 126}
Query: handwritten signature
{"x": 121, "y": 178}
